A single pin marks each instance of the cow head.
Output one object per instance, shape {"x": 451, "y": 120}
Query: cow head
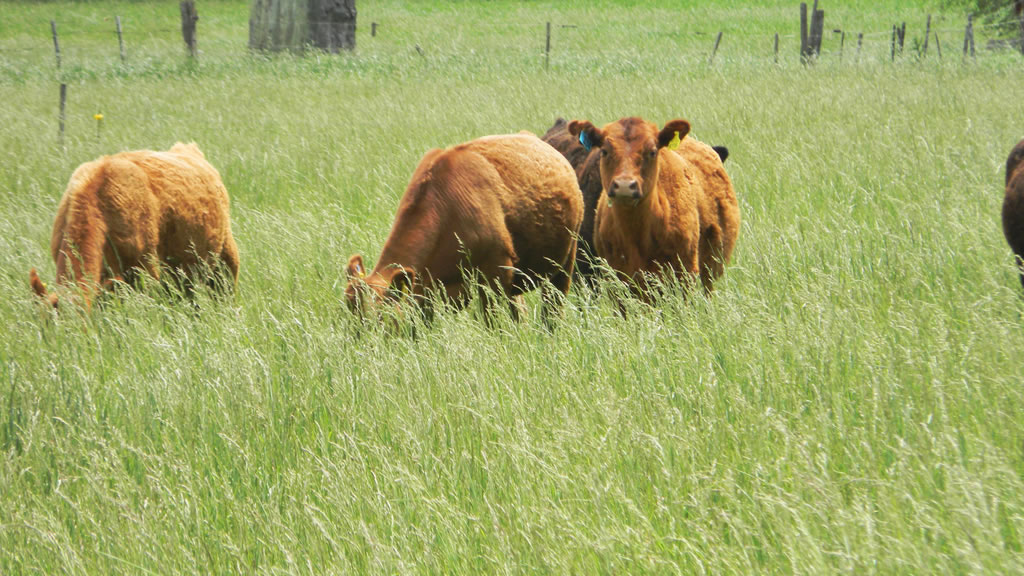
{"x": 629, "y": 153}
{"x": 368, "y": 291}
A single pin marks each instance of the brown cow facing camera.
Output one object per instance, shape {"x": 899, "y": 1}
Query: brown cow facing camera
{"x": 587, "y": 164}
{"x": 504, "y": 207}
{"x": 667, "y": 205}
{"x": 140, "y": 210}
{"x": 1013, "y": 205}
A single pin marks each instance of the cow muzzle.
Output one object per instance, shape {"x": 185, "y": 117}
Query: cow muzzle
{"x": 624, "y": 189}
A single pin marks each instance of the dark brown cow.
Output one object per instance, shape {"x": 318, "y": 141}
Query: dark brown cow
{"x": 588, "y": 175}
{"x": 667, "y": 205}
{"x": 140, "y": 210}
{"x": 1013, "y": 205}
{"x": 506, "y": 207}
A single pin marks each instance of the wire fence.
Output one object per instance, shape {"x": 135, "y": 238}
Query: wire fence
{"x": 88, "y": 40}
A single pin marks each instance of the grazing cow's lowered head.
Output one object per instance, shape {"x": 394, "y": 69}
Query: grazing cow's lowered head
{"x": 366, "y": 291}
{"x": 629, "y": 153}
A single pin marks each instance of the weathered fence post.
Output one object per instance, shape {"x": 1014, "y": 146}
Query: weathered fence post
{"x": 547, "y": 46}
{"x": 817, "y": 30}
{"x": 938, "y": 45}
{"x": 927, "y": 33}
{"x": 776, "y": 47}
{"x": 56, "y": 44}
{"x": 860, "y": 40}
{"x": 803, "y": 33}
{"x": 714, "y": 50}
{"x": 120, "y": 38}
{"x": 810, "y": 37}
{"x": 842, "y": 43}
{"x": 189, "y": 17}
{"x": 969, "y": 36}
{"x": 901, "y": 34}
{"x": 373, "y": 28}
{"x": 1018, "y": 6}
{"x": 60, "y": 117}
{"x": 892, "y": 45}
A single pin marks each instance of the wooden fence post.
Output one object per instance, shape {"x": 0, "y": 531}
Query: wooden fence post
{"x": 120, "y": 38}
{"x": 373, "y": 28}
{"x": 60, "y": 117}
{"x": 967, "y": 33}
{"x": 938, "y": 45}
{"x": 1019, "y": 7}
{"x": 817, "y": 29}
{"x": 860, "y": 40}
{"x": 189, "y": 16}
{"x": 715, "y": 49}
{"x": 547, "y": 46}
{"x": 803, "y": 33}
{"x": 969, "y": 36}
{"x": 776, "y": 47}
{"x": 927, "y": 33}
{"x": 972, "y": 37}
{"x": 56, "y": 44}
{"x": 892, "y": 45}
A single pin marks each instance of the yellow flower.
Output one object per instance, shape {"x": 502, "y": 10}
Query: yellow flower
{"x": 98, "y": 117}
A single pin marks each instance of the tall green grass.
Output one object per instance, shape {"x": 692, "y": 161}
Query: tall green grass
{"x": 848, "y": 401}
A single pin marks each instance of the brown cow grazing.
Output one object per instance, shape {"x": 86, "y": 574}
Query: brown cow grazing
{"x": 505, "y": 207}
{"x": 1013, "y": 205}
{"x": 136, "y": 211}
{"x": 667, "y": 203}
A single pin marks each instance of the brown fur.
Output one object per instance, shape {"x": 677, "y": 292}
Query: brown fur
{"x": 139, "y": 210}
{"x": 1013, "y": 205}
{"x": 588, "y": 175}
{"x": 507, "y": 207}
{"x": 670, "y": 211}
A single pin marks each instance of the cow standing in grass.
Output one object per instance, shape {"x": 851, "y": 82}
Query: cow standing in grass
{"x": 140, "y": 211}
{"x": 588, "y": 175}
{"x": 667, "y": 206}
{"x": 506, "y": 209}
{"x": 1013, "y": 205}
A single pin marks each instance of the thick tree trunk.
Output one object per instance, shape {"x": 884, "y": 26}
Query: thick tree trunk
{"x": 299, "y": 24}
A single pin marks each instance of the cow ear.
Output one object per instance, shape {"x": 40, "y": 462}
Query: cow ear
{"x": 589, "y": 135}
{"x": 674, "y": 130}
{"x": 355, "y": 266}
{"x": 403, "y": 281}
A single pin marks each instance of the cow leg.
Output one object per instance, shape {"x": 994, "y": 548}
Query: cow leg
{"x": 711, "y": 257}
{"x": 84, "y": 249}
{"x": 229, "y": 257}
{"x": 553, "y": 294}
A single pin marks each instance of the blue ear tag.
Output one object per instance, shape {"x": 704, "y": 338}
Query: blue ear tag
{"x": 585, "y": 141}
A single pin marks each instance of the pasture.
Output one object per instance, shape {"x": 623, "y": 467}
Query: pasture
{"x": 849, "y": 400}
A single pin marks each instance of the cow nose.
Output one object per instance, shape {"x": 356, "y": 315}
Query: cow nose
{"x": 625, "y": 187}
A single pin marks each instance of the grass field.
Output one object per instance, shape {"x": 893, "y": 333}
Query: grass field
{"x": 849, "y": 401}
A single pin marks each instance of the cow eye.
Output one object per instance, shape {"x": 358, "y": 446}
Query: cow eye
{"x": 652, "y": 154}
{"x": 604, "y": 152}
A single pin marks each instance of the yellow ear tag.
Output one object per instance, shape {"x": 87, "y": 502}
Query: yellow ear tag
{"x": 674, "y": 142}
{"x": 362, "y": 274}
{"x": 405, "y": 289}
